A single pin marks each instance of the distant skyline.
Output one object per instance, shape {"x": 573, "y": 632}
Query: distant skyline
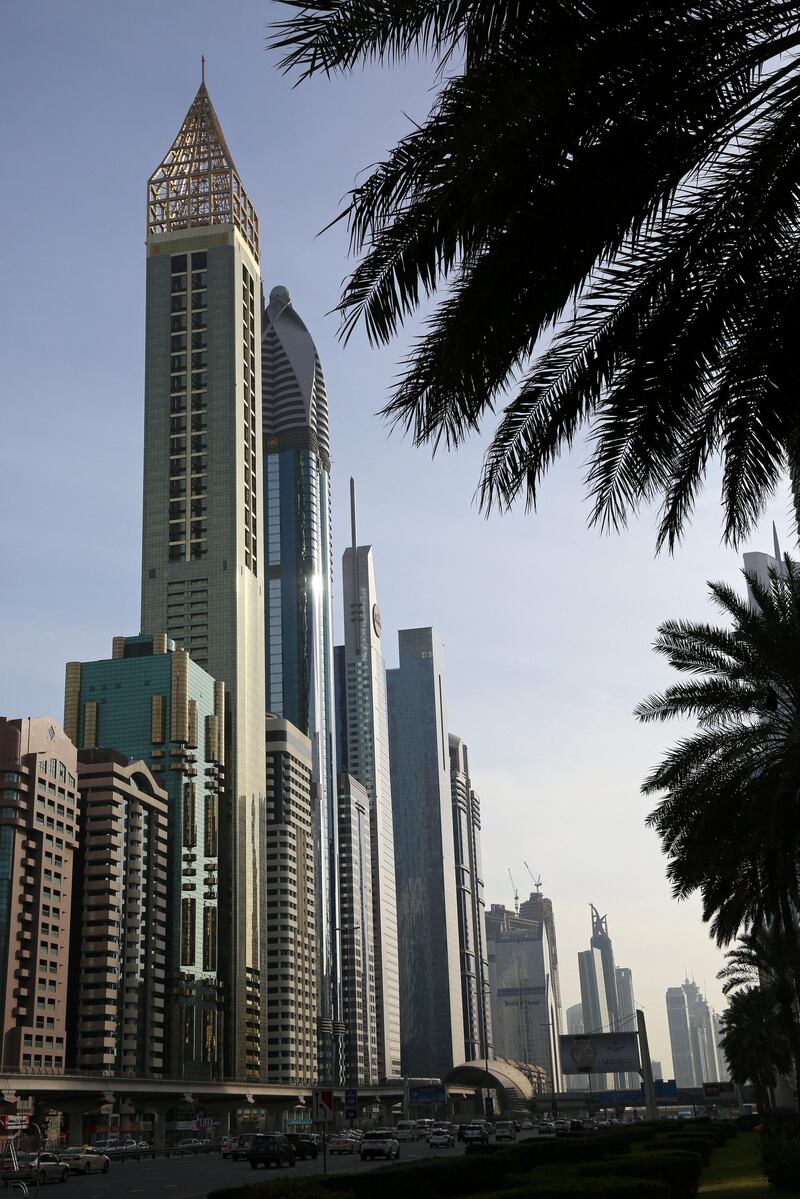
{"x": 547, "y": 626}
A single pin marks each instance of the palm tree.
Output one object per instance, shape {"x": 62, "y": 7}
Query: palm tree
{"x": 754, "y": 1043}
{"x": 623, "y": 180}
{"x": 729, "y": 819}
{"x": 770, "y": 958}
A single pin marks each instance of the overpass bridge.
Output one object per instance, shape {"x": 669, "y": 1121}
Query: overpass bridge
{"x": 78, "y": 1094}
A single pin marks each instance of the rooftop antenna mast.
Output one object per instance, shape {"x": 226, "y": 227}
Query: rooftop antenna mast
{"x": 516, "y": 893}
{"x": 537, "y": 882}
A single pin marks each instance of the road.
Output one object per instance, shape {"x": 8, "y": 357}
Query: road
{"x": 194, "y": 1177}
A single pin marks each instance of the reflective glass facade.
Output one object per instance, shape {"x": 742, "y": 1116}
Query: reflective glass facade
{"x": 431, "y": 1017}
{"x": 298, "y": 612}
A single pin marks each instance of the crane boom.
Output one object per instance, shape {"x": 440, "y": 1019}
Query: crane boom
{"x": 537, "y": 882}
{"x": 516, "y": 892}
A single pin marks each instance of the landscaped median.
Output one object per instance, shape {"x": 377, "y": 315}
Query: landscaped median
{"x": 645, "y": 1161}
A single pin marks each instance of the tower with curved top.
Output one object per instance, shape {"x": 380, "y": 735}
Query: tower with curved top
{"x": 298, "y": 613}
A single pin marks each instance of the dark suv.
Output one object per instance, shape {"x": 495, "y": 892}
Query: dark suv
{"x": 271, "y": 1149}
{"x": 304, "y": 1145}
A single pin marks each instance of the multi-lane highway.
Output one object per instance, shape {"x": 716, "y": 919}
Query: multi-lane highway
{"x": 193, "y": 1177}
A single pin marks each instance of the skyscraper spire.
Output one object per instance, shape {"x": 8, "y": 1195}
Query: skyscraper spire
{"x": 196, "y": 183}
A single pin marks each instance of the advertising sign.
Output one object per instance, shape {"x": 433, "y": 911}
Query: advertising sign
{"x": 351, "y": 1103}
{"x": 14, "y": 1121}
{"x": 599, "y": 1053}
{"x": 434, "y": 1094}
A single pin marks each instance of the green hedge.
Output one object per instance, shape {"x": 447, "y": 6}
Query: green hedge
{"x": 680, "y": 1171}
{"x": 571, "y": 1187}
{"x": 527, "y": 1155}
{"x": 427, "y": 1179}
{"x": 695, "y": 1144}
{"x": 780, "y": 1160}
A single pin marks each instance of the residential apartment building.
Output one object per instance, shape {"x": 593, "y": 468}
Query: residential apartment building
{"x": 357, "y": 934}
{"x": 291, "y": 919}
{"x": 117, "y": 993}
{"x": 475, "y": 996}
{"x": 151, "y": 702}
{"x": 38, "y": 839}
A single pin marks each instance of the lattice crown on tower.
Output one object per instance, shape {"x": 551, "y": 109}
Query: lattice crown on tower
{"x": 197, "y": 182}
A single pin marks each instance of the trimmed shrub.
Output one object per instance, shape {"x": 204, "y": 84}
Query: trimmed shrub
{"x": 780, "y": 1156}
{"x": 747, "y": 1123}
{"x": 679, "y": 1170}
{"x": 696, "y": 1144}
{"x": 571, "y": 1187}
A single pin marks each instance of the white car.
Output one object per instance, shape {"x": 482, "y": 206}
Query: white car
{"x": 504, "y": 1130}
{"x": 343, "y": 1144}
{"x": 440, "y": 1138}
{"x": 85, "y": 1160}
{"x": 381, "y": 1142}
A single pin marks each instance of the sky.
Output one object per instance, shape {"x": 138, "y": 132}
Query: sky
{"x": 547, "y": 625}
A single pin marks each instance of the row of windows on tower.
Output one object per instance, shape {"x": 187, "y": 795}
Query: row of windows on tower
{"x": 188, "y": 445}
{"x": 249, "y": 446}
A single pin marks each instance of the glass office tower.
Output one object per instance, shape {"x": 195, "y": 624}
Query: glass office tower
{"x": 202, "y": 569}
{"x": 299, "y": 640}
{"x": 431, "y": 1014}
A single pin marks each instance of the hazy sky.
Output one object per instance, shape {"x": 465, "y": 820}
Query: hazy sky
{"x": 547, "y": 626}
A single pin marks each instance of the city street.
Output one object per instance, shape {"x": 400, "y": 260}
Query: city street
{"x": 194, "y": 1177}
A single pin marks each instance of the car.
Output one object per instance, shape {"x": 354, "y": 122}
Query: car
{"x": 190, "y": 1144}
{"x": 85, "y": 1160}
{"x": 546, "y": 1127}
{"x": 240, "y": 1146}
{"x": 271, "y": 1149}
{"x": 476, "y": 1134}
{"x": 380, "y": 1142}
{"x": 441, "y": 1138}
{"x": 304, "y": 1146}
{"x": 406, "y": 1130}
{"x": 37, "y": 1168}
{"x": 505, "y": 1130}
{"x": 526, "y": 1126}
{"x": 342, "y": 1142}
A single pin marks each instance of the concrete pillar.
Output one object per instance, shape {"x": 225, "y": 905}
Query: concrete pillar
{"x": 159, "y": 1113}
{"x": 74, "y": 1128}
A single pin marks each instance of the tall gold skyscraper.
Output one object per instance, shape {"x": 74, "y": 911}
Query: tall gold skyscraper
{"x": 202, "y": 565}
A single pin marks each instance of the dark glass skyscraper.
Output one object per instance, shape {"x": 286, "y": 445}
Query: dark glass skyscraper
{"x": 299, "y": 641}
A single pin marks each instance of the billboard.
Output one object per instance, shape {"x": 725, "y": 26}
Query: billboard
{"x": 429, "y": 1094}
{"x": 599, "y": 1052}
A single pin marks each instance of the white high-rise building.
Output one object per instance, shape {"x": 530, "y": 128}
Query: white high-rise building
{"x": 363, "y": 739}
{"x": 574, "y": 1019}
{"x": 679, "y": 1039}
{"x": 626, "y": 1015}
{"x": 693, "y": 1036}
{"x": 596, "y": 1016}
{"x": 471, "y": 906}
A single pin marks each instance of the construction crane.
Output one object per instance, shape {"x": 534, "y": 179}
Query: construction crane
{"x": 537, "y": 882}
{"x": 516, "y": 892}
